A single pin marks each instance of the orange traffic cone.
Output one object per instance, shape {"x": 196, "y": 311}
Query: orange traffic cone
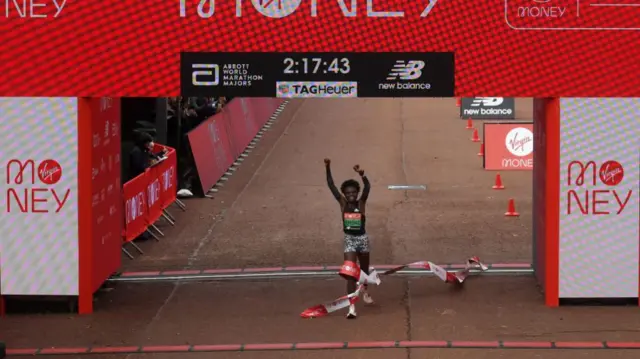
{"x": 458, "y": 102}
{"x": 469, "y": 124}
{"x": 511, "y": 209}
{"x": 498, "y": 184}
{"x": 481, "y": 153}
{"x": 475, "y": 137}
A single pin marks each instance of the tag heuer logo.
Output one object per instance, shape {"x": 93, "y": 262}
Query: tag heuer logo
{"x": 283, "y": 89}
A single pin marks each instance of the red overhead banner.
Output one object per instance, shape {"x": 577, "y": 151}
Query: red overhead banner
{"x": 503, "y": 47}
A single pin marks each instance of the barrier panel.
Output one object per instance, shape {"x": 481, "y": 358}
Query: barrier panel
{"x": 146, "y": 196}
{"x": 135, "y": 207}
{"x": 218, "y": 141}
{"x": 243, "y": 125}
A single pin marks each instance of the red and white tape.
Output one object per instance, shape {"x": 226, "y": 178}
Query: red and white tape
{"x": 321, "y": 310}
{"x": 457, "y": 277}
{"x": 447, "y": 277}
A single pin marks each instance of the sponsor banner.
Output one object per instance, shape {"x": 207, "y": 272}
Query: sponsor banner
{"x": 306, "y": 75}
{"x": 508, "y": 146}
{"x": 497, "y": 57}
{"x": 217, "y": 142}
{"x": 487, "y": 108}
{"x": 167, "y": 172}
{"x": 226, "y": 74}
{"x": 135, "y": 207}
{"x": 153, "y": 194}
{"x": 316, "y": 89}
{"x": 599, "y": 202}
{"x": 106, "y": 203}
{"x": 161, "y": 184}
{"x": 148, "y": 194}
{"x": 39, "y": 196}
{"x": 410, "y": 75}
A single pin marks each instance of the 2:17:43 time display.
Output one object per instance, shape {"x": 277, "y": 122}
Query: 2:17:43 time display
{"x": 316, "y": 65}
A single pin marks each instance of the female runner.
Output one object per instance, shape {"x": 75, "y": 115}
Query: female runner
{"x": 356, "y": 240}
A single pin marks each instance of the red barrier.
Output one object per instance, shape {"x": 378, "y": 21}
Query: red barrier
{"x": 135, "y": 207}
{"x": 218, "y": 141}
{"x": 243, "y": 125}
{"x": 211, "y": 149}
{"x": 148, "y": 194}
{"x": 169, "y": 179}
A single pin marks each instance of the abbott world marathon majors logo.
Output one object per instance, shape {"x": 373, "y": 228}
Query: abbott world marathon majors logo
{"x": 488, "y": 108}
{"x": 227, "y": 75}
{"x": 316, "y": 89}
{"x": 35, "y": 189}
{"x": 597, "y": 189}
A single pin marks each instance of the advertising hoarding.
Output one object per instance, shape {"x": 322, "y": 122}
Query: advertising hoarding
{"x": 508, "y": 146}
{"x": 599, "y": 213}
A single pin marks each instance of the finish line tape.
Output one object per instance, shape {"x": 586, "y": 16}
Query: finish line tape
{"x": 457, "y": 277}
{"x": 589, "y": 345}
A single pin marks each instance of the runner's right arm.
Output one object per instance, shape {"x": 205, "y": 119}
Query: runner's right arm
{"x": 330, "y": 183}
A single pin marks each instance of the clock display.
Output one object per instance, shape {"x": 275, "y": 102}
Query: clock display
{"x": 316, "y": 65}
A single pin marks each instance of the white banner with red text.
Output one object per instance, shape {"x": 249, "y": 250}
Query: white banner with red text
{"x": 599, "y": 250}
{"x": 61, "y": 199}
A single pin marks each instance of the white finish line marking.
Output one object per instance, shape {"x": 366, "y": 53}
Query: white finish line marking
{"x": 408, "y": 187}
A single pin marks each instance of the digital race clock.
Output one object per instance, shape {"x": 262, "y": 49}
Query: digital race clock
{"x": 299, "y": 74}
{"x": 316, "y": 65}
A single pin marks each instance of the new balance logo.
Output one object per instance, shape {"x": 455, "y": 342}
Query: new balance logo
{"x": 488, "y": 107}
{"x": 487, "y": 101}
{"x": 406, "y": 70}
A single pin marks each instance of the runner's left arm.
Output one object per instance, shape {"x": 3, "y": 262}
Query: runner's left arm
{"x": 366, "y": 189}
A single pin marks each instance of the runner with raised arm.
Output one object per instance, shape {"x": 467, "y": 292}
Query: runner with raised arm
{"x": 356, "y": 240}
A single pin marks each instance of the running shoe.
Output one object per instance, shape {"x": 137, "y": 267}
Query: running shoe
{"x": 352, "y": 312}
{"x": 366, "y": 297}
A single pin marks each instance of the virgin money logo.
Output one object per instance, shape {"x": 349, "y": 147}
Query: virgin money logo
{"x": 49, "y": 172}
{"x": 26, "y": 195}
{"x": 593, "y": 197}
{"x": 277, "y": 9}
{"x": 135, "y": 207}
{"x": 519, "y": 141}
{"x": 611, "y": 173}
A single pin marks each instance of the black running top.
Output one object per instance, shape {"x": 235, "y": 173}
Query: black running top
{"x": 353, "y": 213}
